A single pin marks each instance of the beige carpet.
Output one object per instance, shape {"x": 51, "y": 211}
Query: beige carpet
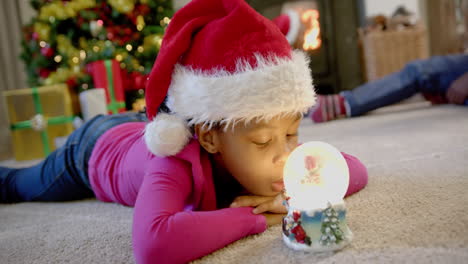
{"x": 414, "y": 210}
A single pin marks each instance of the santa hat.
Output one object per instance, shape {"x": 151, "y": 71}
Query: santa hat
{"x": 290, "y": 25}
{"x": 221, "y": 62}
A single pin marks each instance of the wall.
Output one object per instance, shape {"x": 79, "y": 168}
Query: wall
{"x": 387, "y": 7}
{"x": 179, "y": 3}
{"x": 12, "y": 76}
{"x": 446, "y": 32}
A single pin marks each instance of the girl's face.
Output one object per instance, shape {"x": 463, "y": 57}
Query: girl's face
{"x": 255, "y": 153}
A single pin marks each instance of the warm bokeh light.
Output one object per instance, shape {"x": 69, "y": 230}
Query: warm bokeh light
{"x": 315, "y": 174}
{"x": 312, "y": 39}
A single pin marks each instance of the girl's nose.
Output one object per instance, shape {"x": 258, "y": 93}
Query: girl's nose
{"x": 283, "y": 153}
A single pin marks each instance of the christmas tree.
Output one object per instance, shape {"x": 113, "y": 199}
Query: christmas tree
{"x": 66, "y": 35}
{"x": 331, "y": 232}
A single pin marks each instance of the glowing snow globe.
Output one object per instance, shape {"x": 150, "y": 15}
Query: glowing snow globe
{"x": 316, "y": 179}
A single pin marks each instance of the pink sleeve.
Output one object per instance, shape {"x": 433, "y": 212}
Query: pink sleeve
{"x": 164, "y": 233}
{"x": 357, "y": 174}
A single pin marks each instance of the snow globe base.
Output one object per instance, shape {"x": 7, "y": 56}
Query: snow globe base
{"x": 318, "y": 230}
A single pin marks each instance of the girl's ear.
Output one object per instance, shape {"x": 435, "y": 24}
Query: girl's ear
{"x": 208, "y": 138}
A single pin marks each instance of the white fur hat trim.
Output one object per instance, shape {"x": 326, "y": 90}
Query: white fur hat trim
{"x": 166, "y": 135}
{"x": 275, "y": 86}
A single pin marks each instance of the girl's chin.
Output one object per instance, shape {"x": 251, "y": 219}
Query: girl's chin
{"x": 277, "y": 186}
{"x": 272, "y": 193}
{"x": 266, "y": 193}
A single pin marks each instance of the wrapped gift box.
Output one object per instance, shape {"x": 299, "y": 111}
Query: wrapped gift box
{"x": 107, "y": 74}
{"x": 6, "y": 150}
{"x": 93, "y": 103}
{"x": 38, "y": 116}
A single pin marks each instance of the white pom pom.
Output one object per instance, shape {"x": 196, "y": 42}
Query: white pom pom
{"x": 166, "y": 135}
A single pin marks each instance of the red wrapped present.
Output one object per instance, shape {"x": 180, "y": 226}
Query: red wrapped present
{"x": 107, "y": 74}
{"x": 135, "y": 81}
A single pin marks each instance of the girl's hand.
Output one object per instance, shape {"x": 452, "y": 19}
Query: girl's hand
{"x": 262, "y": 204}
{"x": 273, "y": 219}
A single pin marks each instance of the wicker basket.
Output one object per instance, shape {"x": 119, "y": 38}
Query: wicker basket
{"x": 385, "y": 52}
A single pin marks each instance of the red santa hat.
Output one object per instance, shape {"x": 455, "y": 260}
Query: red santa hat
{"x": 221, "y": 62}
{"x": 290, "y": 25}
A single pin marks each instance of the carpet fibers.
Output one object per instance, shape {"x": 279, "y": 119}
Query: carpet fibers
{"x": 414, "y": 209}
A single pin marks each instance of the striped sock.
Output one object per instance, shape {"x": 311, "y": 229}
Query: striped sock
{"x": 328, "y": 107}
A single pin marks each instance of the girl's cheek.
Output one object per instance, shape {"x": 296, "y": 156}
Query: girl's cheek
{"x": 292, "y": 145}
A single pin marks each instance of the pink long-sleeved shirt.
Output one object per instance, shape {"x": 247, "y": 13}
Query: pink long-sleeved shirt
{"x": 175, "y": 218}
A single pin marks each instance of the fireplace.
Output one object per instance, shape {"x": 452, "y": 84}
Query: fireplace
{"x": 328, "y": 36}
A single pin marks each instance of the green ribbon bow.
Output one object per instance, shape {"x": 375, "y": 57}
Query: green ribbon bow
{"x": 114, "y": 105}
{"x": 28, "y": 124}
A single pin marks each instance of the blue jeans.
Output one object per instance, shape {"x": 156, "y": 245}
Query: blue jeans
{"x": 63, "y": 175}
{"x": 431, "y": 76}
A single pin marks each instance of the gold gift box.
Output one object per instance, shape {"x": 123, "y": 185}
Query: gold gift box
{"x": 37, "y": 117}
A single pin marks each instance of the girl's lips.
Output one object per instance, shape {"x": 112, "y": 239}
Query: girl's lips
{"x": 278, "y": 186}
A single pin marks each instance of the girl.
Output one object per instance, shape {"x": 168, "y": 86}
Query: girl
{"x": 225, "y": 75}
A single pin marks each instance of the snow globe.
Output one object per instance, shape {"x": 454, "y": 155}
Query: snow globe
{"x": 316, "y": 179}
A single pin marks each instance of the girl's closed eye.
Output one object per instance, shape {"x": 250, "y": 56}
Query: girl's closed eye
{"x": 261, "y": 143}
{"x": 264, "y": 143}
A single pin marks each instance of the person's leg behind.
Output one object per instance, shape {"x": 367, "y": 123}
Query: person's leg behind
{"x": 431, "y": 76}
{"x": 369, "y": 96}
{"x": 388, "y": 90}
{"x": 441, "y": 72}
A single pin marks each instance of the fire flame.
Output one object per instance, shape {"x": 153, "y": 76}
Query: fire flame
{"x": 312, "y": 33}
